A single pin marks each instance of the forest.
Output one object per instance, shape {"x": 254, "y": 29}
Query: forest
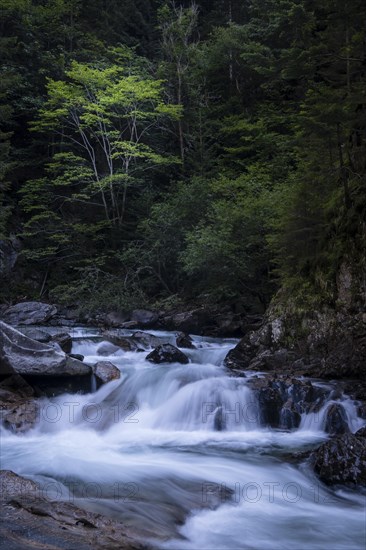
{"x": 160, "y": 153}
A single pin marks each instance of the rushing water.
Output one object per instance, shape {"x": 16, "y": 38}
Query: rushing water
{"x": 146, "y": 450}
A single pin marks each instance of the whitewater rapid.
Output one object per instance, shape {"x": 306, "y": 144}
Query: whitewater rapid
{"x": 145, "y": 449}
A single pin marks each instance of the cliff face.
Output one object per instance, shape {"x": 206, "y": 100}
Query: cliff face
{"x": 326, "y": 343}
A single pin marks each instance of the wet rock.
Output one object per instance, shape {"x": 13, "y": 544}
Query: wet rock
{"x": 77, "y": 356}
{"x": 30, "y": 520}
{"x": 114, "y": 319}
{"x": 341, "y": 460}
{"x": 64, "y": 340}
{"x": 36, "y": 334}
{"x": 29, "y": 313}
{"x": 166, "y": 353}
{"x": 119, "y": 338}
{"x": 361, "y": 432}
{"x": 146, "y": 341}
{"x": 107, "y": 348}
{"x": 290, "y": 418}
{"x": 336, "y": 420}
{"x": 22, "y": 417}
{"x": 328, "y": 344}
{"x": 183, "y": 340}
{"x": 105, "y": 371}
{"x": 144, "y": 317}
{"x": 28, "y": 357}
{"x": 243, "y": 353}
{"x": 282, "y": 399}
{"x": 270, "y": 404}
{"x": 18, "y": 409}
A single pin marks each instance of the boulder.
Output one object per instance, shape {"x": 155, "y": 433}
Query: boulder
{"x": 64, "y": 340}
{"x": 27, "y": 357}
{"x": 144, "y": 317}
{"x": 270, "y": 404}
{"x": 146, "y": 341}
{"x": 104, "y": 371}
{"x": 19, "y": 411}
{"x": 119, "y": 339}
{"x": 166, "y": 353}
{"x": 183, "y": 340}
{"x": 341, "y": 460}
{"x": 37, "y": 334}
{"x": 77, "y": 356}
{"x": 107, "y": 348}
{"x": 336, "y": 420}
{"x": 31, "y": 520}
{"x": 29, "y": 313}
{"x": 193, "y": 321}
{"x": 290, "y": 418}
{"x": 282, "y": 399}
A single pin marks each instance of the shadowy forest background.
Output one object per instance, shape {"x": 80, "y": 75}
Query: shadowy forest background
{"x": 162, "y": 154}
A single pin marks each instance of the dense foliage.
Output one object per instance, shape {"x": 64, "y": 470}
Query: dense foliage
{"x": 157, "y": 152}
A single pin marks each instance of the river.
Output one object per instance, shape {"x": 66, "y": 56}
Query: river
{"x": 146, "y": 449}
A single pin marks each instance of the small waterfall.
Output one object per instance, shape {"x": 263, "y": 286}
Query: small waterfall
{"x": 180, "y": 452}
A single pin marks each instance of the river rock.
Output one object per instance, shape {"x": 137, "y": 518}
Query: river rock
{"x": 105, "y": 371}
{"x": 166, "y": 353}
{"x": 107, "y": 348}
{"x": 28, "y": 357}
{"x": 326, "y": 344}
{"x": 147, "y": 341}
{"x": 183, "y": 340}
{"x": 336, "y": 420}
{"x": 31, "y": 520}
{"x": 270, "y": 405}
{"x": 290, "y": 418}
{"x": 18, "y": 409}
{"x": 37, "y": 334}
{"x": 341, "y": 460}
{"x": 29, "y": 313}
{"x": 64, "y": 340}
{"x": 283, "y": 399}
{"x": 119, "y": 338}
{"x": 144, "y": 317}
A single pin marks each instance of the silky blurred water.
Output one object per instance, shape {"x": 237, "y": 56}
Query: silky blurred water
{"x": 147, "y": 450}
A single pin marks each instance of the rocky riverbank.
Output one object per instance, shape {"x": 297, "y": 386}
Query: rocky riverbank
{"x": 31, "y": 520}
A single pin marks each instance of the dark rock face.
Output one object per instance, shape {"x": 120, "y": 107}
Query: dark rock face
{"x": 183, "y": 340}
{"x": 28, "y": 357}
{"x": 270, "y": 404}
{"x": 29, "y": 520}
{"x": 336, "y": 420}
{"x": 29, "y": 313}
{"x": 290, "y": 417}
{"x": 283, "y": 399}
{"x": 166, "y": 353}
{"x": 323, "y": 345}
{"x": 64, "y": 340}
{"x": 105, "y": 371}
{"x": 341, "y": 460}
